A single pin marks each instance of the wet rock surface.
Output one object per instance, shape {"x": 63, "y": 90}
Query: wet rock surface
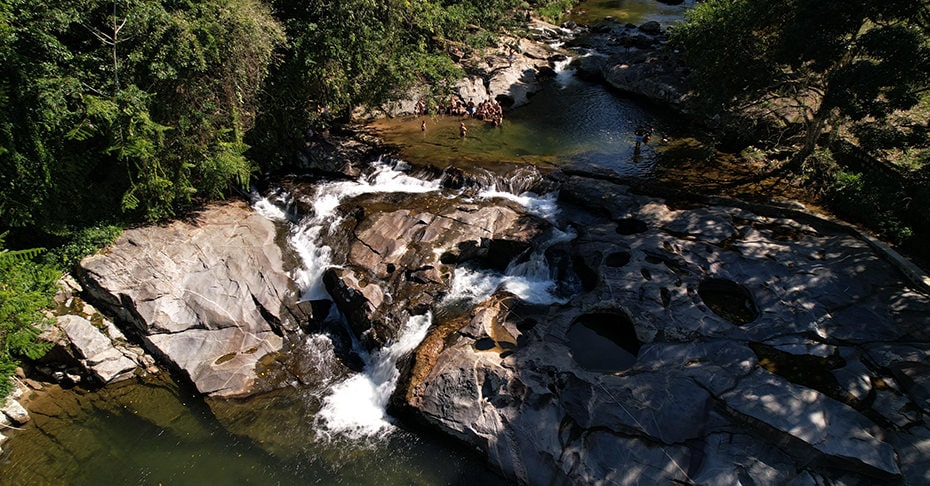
{"x": 818, "y": 375}
{"x": 401, "y": 250}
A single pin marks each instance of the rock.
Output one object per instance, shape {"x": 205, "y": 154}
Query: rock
{"x": 830, "y": 429}
{"x": 15, "y": 412}
{"x": 397, "y": 260}
{"x": 651, "y": 28}
{"x": 205, "y": 295}
{"x": 87, "y": 339}
{"x": 696, "y": 403}
{"x": 35, "y": 385}
{"x": 106, "y": 362}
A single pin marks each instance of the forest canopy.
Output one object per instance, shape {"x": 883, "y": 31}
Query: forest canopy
{"x": 137, "y": 109}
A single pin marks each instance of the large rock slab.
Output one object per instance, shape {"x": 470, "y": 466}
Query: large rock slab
{"x": 832, "y": 429}
{"x": 206, "y": 294}
{"x": 766, "y": 346}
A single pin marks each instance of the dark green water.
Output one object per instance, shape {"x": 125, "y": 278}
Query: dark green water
{"x": 632, "y": 11}
{"x": 569, "y": 121}
{"x": 159, "y": 433}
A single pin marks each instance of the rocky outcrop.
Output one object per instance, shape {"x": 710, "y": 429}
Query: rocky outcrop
{"x": 402, "y": 249}
{"x": 633, "y": 59}
{"x": 510, "y": 73}
{"x": 703, "y": 344}
{"x": 209, "y": 295}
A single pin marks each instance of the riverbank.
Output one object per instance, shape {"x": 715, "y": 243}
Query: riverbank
{"x": 649, "y": 263}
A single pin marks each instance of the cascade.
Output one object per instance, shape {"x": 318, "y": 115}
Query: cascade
{"x": 355, "y": 407}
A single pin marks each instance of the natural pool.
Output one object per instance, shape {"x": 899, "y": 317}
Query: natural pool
{"x": 568, "y": 121}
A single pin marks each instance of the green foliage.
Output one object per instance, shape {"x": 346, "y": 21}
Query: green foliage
{"x": 872, "y": 202}
{"x": 824, "y": 62}
{"x": 26, "y": 289}
{"x": 135, "y": 105}
{"x": 552, "y": 10}
{"x": 347, "y": 54}
{"x": 81, "y": 243}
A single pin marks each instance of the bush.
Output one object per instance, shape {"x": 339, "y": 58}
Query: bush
{"x": 82, "y": 243}
{"x": 26, "y": 289}
{"x": 870, "y": 202}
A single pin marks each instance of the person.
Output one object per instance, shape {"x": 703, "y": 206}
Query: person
{"x": 640, "y": 133}
{"x": 423, "y": 126}
{"x": 463, "y": 130}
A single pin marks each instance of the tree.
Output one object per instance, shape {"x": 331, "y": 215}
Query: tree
{"x": 828, "y": 61}
{"x": 362, "y": 53}
{"x": 133, "y": 104}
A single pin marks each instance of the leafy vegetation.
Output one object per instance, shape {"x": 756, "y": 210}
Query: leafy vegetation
{"x": 818, "y": 72}
{"x": 134, "y": 106}
{"x": 26, "y": 289}
{"x": 822, "y": 65}
{"x": 348, "y": 54}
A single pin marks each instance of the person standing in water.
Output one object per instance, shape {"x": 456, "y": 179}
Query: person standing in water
{"x": 463, "y": 130}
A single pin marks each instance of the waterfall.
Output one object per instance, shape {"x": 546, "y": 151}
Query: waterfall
{"x": 308, "y": 237}
{"x": 530, "y": 280}
{"x": 356, "y": 406}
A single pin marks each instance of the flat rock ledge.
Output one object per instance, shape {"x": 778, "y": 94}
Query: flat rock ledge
{"x": 704, "y": 345}
{"x": 209, "y": 296}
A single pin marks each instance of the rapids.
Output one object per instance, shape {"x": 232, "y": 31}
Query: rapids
{"x": 337, "y": 430}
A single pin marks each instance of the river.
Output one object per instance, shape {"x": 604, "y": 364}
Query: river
{"x": 157, "y": 431}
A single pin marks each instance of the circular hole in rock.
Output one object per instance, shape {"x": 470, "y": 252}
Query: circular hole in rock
{"x": 619, "y": 259}
{"x": 631, "y": 226}
{"x": 728, "y": 300}
{"x": 527, "y": 324}
{"x": 485, "y": 344}
{"x": 604, "y": 342}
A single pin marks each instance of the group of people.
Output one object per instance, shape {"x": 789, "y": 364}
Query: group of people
{"x": 489, "y": 111}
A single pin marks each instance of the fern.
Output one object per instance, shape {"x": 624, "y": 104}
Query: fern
{"x": 10, "y": 256}
{"x": 26, "y": 289}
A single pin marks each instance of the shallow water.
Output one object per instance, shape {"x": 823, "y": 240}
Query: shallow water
{"x": 157, "y": 433}
{"x": 632, "y": 11}
{"x": 570, "y": 121}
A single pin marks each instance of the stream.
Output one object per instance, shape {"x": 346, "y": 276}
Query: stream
{"x": 157, "y": 431}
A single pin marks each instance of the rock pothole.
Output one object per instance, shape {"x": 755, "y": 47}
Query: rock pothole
{"x": 618, "y": 259}
{"x": 604, "y": 342}
{"x": 729, "y": 300}
{"x": 631, "y": 226}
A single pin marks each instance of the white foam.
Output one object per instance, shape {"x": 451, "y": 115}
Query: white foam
{"x": 545, "y": 206}
{"x": 356, "y": 406}
{"x": 306, "y": 237}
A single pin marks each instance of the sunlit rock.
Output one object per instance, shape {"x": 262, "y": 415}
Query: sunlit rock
{"x": 205, "y": 295}
{"x": 834, "y": 432}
